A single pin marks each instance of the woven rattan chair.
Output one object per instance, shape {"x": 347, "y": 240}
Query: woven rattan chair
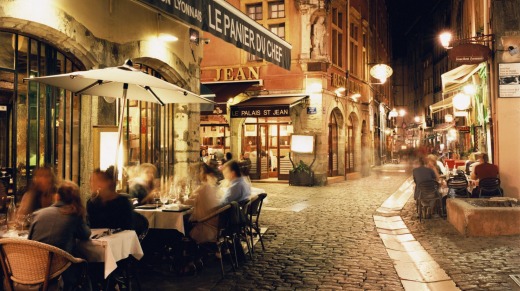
{"x": 221, "y": 239}
{"x": 30, "y": 262}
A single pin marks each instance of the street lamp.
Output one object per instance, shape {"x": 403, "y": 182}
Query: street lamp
{"x": 381, "y": 72}
{"x": 393, "y": 113}
{"x": 461, "y": 101}
{"x": 445, "y": 39}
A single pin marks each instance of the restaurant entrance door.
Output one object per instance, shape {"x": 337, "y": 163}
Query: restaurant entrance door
{"x": 267, "y": 143}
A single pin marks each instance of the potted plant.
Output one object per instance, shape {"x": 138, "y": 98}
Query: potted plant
{"x": 301, "y": 175}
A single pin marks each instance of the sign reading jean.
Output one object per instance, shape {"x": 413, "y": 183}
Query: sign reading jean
{"x": 228, "y": 23}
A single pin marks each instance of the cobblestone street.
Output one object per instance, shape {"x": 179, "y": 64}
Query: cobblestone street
{"x": 317, "y": 238}
{"x": 474, "y": 263}
{"x": 330, "y": 243}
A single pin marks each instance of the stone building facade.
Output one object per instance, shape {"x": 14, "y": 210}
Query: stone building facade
{"x": 334, "y": 45}
{"x": 46, "y": 126}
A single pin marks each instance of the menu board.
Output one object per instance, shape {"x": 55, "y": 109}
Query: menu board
{"x": 509, "y": 80}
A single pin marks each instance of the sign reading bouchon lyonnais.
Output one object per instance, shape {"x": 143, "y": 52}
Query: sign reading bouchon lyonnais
{"x": 469, "y": 53}
{"x": 228, "y": 23}
{"x": 254, "y": 111}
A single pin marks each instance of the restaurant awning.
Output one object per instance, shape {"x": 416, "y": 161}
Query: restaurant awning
{"x": 443, "y": 104}
{"x": 456, "y": 78}
{"x": 272, "y": 106}
{"x": 222, "y": 91}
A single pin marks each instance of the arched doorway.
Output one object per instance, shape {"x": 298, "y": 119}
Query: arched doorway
{"x": 333, "y": 146}
{"x": 40, "y": 124}
{"x": 350, "y": 155}
{"x": 365, "y": 159}
{"x": 377, "y": 141}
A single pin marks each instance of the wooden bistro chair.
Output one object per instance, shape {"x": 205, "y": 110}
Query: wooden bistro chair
{"x": 489, "y": 187}
{"x": 252, "y": 211}
{"x": 428, "y": 195}
{"x": 29, "y": 262}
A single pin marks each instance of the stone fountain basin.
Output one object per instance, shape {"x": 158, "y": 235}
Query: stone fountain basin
{"x": 484, "y": 217}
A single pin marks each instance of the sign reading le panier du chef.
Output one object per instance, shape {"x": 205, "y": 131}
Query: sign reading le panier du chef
{"x": 228, "y": 23}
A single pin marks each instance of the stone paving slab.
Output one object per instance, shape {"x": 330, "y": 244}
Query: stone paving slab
{"x": 410, "y": 257}
{"x": 436, "y": 286}
{"x": 425, "y": 272}
{"x": 400, "y": 237}
{"x": 482, "y": 263}
{"x": 391, "y": 225}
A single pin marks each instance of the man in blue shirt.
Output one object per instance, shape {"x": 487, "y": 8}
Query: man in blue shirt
{"x": 239, "y": 189}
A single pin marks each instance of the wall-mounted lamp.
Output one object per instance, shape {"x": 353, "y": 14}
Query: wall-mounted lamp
{"x": 340, "y": 91}
{"x": 417, "y": 119}
{"x": 448, "y": 118}
{"x": 393, "y": 113}
{"x": 196, "y": 39}
{"x": 355, "y": 97}
{"x": 447, "y": 41}
{"x": 381, "y": 72}
{"x": 165, "y": 37}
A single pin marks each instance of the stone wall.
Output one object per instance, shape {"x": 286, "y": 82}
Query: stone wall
{"x": 506, "y": 27}
{"x": 105, "y": 33}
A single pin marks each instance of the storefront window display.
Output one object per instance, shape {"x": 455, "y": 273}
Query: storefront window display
{"x": 149, "y": 132}
{"x": 215, "y": 136}
{"x": 40, "y": 124}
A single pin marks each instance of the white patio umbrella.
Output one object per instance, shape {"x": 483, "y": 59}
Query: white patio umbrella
{"x": 121, "y": 82}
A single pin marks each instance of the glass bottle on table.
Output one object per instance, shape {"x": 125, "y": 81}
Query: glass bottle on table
{"x": 11, "y": 214}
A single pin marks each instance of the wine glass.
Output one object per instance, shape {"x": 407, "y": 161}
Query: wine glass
{"x": 164, "y": 197}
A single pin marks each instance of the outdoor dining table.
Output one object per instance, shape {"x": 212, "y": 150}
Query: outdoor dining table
{"x": 165, "y": 217}
{"x": 110, "y": 249}
{"x": 102, "y": 247}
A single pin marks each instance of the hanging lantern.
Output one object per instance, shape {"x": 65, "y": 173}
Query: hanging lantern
{"x": 381, "y": 72}
{"x": 461, "y": 101}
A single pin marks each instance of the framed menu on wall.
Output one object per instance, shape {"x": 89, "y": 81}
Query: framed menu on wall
{"x": 509, "y": 80}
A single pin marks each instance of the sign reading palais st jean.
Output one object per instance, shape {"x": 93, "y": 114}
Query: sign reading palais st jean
{"x": 228, "y": 23}
{"x": 253, "y": 111}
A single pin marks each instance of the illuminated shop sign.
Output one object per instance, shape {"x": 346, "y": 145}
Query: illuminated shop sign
{"x": 237, "y": 74}
{"x": 228, "y": 23}
{"x": 271, "y": 111}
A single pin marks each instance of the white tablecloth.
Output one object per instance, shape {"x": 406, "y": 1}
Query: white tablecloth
{"x": 164, "y": 220}
{"x": 111, "y": 249}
